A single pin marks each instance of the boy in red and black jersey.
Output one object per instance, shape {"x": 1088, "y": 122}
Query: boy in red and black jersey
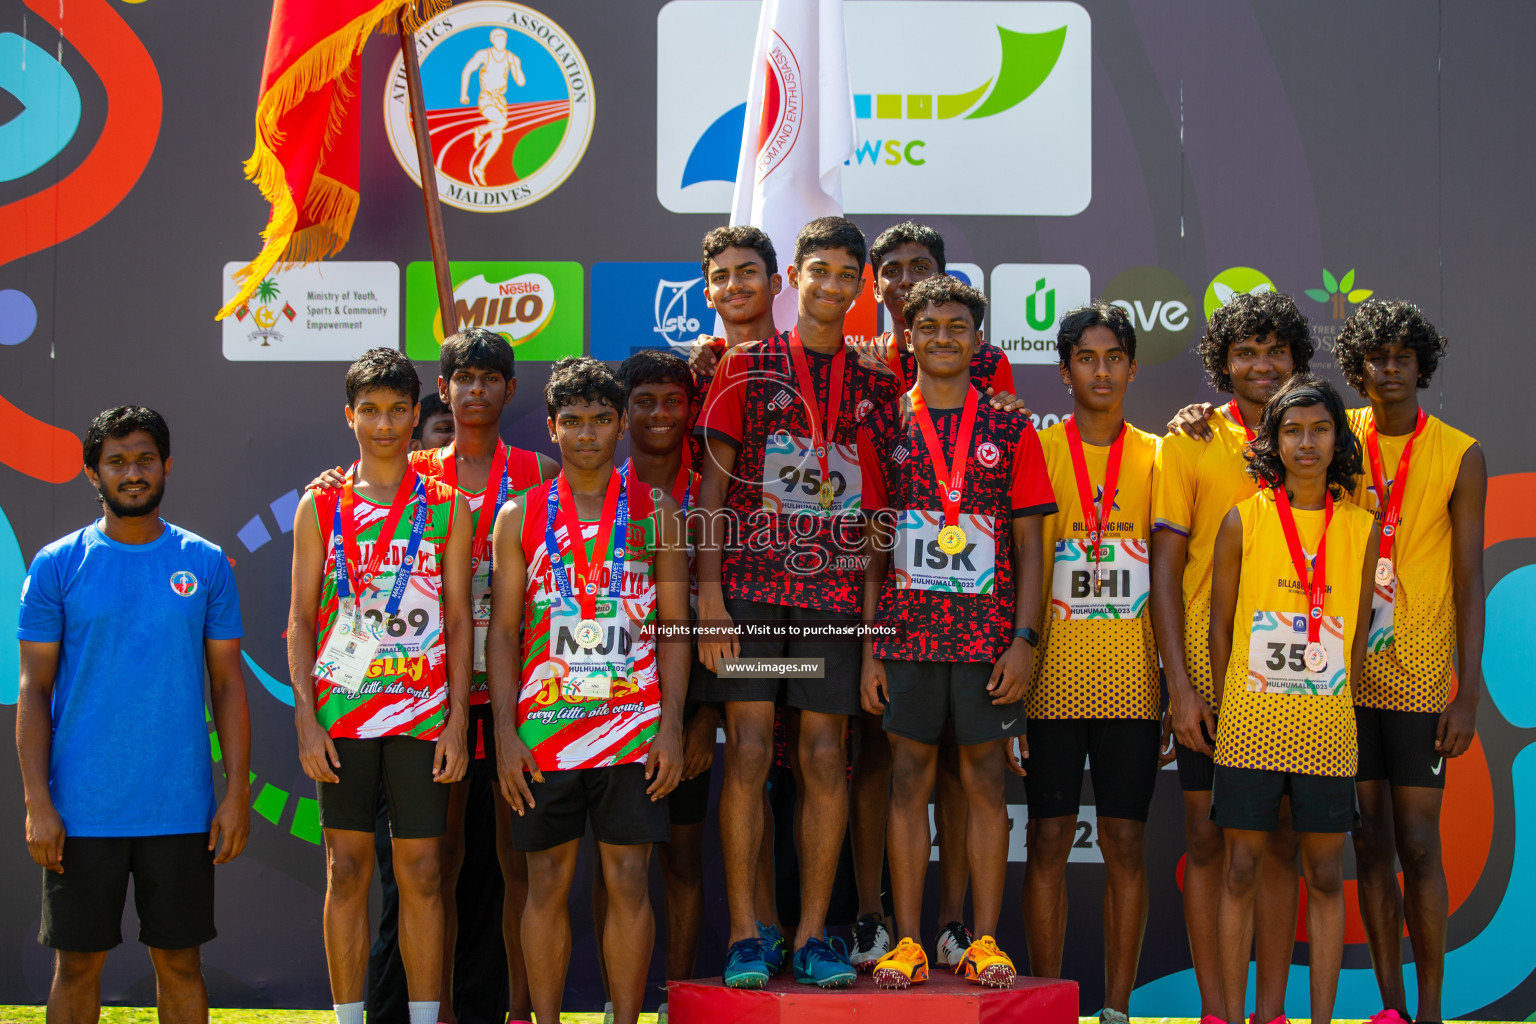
{"x": 955, "y": 494}
{"x": 781, "y": 501}
{"x": 741, "y": 279}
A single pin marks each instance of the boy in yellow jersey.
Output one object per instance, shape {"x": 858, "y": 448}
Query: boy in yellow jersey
{"x": 1428, "y": 485}
{"x": 1250, "y": 347}
{"x": 1096, "y": 692}
{"x": 1290, "y": 610}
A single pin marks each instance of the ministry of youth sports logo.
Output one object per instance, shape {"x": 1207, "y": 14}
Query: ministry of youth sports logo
{"x": 184, "y": 583}
{"x": 509, "y": 105}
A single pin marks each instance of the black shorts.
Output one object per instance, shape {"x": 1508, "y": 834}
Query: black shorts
{"x": 1196, "y": 770}
{"x": 482, "y": 734}
{"x": 402, "y": 765}
{"x": 836, "y": 693}
{"x": 172, "y": 892}
{"x": 1121, "y": 752}
{"x": 927, "y": 695}
{"x": 1399, "y": 747}
{"x": 614, "y": 798}
{"x": 688, "y": 804}
{"x": 1249, "y": 798}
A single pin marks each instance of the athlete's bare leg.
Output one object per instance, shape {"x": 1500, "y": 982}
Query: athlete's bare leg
{"x": 630, "y": 930}
{"x": 1045, "y": 891}
{"x": 514, "y": 877}
{"x": 349, "y": 870}
{"x": 1240, "y": 883}
{"x": 1124, "y": 845}
{"x": 682, "y": 871}
{"x": 547, "y": 926}
{"x": 913, "y": 767}
{"x": 869, "y": 802}
{"x": 1274, "y": 917}
{"x": 748, "y": 756}
{"x": 452, "y": 854}
{"x": 766, "y": 898}
{"x": 823, "y": 805}
{"x": 949, "y": 818}
{"x": 1204, "y": 871}
{"x": 983, "y": 768}
{"x": 1322, "y": 861}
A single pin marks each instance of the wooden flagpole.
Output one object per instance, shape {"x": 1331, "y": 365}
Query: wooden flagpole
{"x": 428, "y": 171}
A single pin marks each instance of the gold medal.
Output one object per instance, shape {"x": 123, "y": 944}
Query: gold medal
{"x": 952, "y": 540}
{"x": 1385, "y": 574}
{"x": 828, "y": 494}
{"x": 588, "y": 634}
{"x": 1315, "y": 657}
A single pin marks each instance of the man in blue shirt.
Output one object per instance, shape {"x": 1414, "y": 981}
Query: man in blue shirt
{"x": 118, "y": 622}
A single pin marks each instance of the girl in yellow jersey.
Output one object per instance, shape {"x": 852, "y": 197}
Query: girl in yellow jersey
{"x": 1293, "y": 567}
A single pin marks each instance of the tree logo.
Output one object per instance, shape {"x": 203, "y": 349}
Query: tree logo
{"x": 1338, "y": 294}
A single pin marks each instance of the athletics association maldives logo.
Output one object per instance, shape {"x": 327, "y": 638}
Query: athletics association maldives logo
{"x": 509, "y": 105}
{"x": 184, "y": 583}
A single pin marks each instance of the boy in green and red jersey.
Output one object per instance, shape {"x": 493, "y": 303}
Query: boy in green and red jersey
{"x": 379, "y": 637}
{"x": 588, "y": 565}
{"x": 955, "y": 492}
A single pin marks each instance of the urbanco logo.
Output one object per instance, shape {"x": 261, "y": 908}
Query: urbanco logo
{"x": 1028, "y": 301}
{"x": 509, "y": 105}
{"x": 1159, "y": 306}
{"x": 958, "y": 136}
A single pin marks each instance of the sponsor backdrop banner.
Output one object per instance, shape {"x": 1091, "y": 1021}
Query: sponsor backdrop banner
{"x": 1165, "y": 157}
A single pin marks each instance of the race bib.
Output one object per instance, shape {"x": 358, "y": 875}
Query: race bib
{"x": 589, "y": 674}
{"x": 1123, "y": 588}
{"x": 1383, "y": 603}
{"x": 792, "y": 476}
{"x": 921, "y": 563}
{"x": 1277, "y": 648}
{"x": 350, "y": 649}
{"x": 482, "y": 614}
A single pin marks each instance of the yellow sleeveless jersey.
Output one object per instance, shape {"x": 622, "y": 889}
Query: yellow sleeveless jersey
{"x": 1413, "y": 671}
{"x": 1312, "y": 734}
{"x": 1196, "y": 485}
{"x": 1098, "y": 657}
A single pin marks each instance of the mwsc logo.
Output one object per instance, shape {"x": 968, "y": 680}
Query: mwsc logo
{"x": 959, "y": 136}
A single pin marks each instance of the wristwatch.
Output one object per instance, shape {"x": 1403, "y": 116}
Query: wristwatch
{"x": 1028, "y": 635}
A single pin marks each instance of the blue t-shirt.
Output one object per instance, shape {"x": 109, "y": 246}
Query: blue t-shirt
{"x": 130, "y": 755}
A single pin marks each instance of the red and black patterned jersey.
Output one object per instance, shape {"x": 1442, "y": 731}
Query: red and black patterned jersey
{"x": 990, "y": 367}
{"x": 781, "y": 547}
{"x": 701, "y": 383}
{"x": 1005, "y": 478}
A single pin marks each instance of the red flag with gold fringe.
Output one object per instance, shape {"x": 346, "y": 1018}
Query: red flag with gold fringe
{"x": 308, "y": 127}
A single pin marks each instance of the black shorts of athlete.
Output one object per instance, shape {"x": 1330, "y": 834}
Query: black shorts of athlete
{"x": 688, "y": 804}
{"x": 1399, "y": 747}
{"x": 1195, "y": 769}
{"x": 402, "y": 765}
{"x": 925, "y": 696}
{"x": 1249, "y": 798}
{"x": 172, "y": 892}
{"x": 836, "y": 693}
{"x": 1121, "y": 753}
{"x": 482, "y": 734}
{"x": 615, "y": 800}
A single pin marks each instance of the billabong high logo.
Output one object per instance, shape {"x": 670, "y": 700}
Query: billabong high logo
{"x": 509, "y": 105}
{"x": 184, "y": 583}
{"x": 950, "y": 136}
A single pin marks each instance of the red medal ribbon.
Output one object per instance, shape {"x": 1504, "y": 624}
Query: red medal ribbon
{"x": 1394, "y": 503}
{"x": 584, "y": 583}
{"x": 1095, "y": 518}
{"x": 951, "y": 480}
{"x": 1299, "y": 558}
{"x": 1237, "y": 417}
{"x": 682, "y": 487}
{"x": 386, "y": 532}
{"x": 807, "y": 386}
{"x": 483, "y": 523}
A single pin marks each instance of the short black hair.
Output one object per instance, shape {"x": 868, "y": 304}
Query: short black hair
{"x": 1247, "y": 316}
{"x": 384, "y": 369}
{"x": 655, "y": 366}
{"x": 431, "y": 405}
{"x": 582, "y": 379}
{"x": 1096, "y": 314}
{"x": 939, "y": 289}
{"x": 476, "y": 348}
{"x": 1376, "y": 324}
{"x": 120, "y": 422}
{"x": 830, "y": 233}
{"x": 1301, "y": 390}
{"x": 743, "y": 236}
{"x": 897, "y": 235}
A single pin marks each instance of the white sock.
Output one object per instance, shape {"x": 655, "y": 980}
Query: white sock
{"x": 349, "y": 1013}
{"x": 422, "y": 1013}
{"x": 608, "y": 1008}
{"x": 661, "y": 1011}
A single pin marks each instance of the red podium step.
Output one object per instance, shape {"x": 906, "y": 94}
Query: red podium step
{"x": 944, "y": 999}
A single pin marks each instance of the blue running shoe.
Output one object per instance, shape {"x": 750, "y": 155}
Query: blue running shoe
{"x": 823, "y": 964}
{"x": 744, "y": 967}
{"x": 774, "y": 947}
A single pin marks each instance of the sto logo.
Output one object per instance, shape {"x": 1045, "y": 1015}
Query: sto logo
{"x": 86, "y": 194}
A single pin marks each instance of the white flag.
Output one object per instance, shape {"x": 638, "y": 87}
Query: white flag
{"x": 799, "y": 127}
